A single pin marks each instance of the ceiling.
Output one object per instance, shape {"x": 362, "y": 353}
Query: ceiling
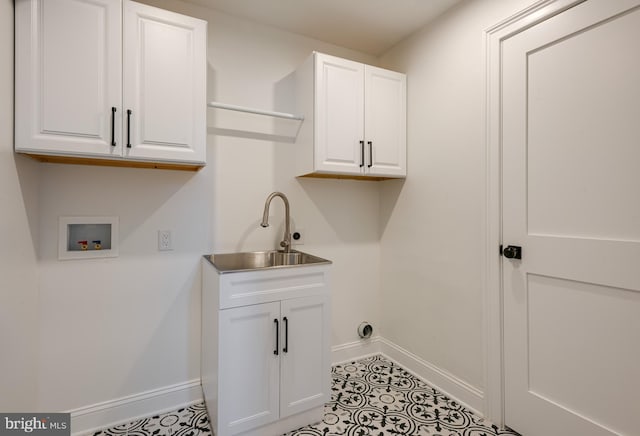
{"x": 369, "y": 26}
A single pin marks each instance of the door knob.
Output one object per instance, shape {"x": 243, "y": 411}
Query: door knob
{"x": 512, "y": 252}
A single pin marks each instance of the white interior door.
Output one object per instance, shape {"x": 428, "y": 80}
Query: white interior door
{"x": 571, "y": 200}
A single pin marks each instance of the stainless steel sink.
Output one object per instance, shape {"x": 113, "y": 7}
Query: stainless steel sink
{"x": 257, "y": 260}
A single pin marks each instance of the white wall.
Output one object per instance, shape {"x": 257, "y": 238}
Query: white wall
{"x": 432, "y": 224}
{"x": 116, "y": 327}
{"x": 248, "y": 64}
{"x": 18, "y": 230}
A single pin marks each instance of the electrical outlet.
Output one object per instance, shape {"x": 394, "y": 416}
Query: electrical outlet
{"x": 164, "y": 240}
{"x": 297, "y": 237}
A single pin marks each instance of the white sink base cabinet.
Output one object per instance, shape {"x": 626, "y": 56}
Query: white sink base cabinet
{"x": 246, "y": 318}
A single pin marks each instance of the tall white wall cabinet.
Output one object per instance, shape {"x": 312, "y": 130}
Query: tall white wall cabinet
{"x": 265, "y": 348}
{"x": 355, "y": 119}
{"x": 110, "y": 82}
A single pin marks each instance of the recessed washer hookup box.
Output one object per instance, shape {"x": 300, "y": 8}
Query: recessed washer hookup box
{"x": 86, "y": 237}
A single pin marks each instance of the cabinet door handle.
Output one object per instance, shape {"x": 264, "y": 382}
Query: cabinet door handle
{"x": 361, "y": 154}
{"x": 113, "y": 126}
{"x": 128, "y": 128}
{"x": 370, "y": 154}
{"x": 286, "y": 335}
{"x": 277, "y": 337}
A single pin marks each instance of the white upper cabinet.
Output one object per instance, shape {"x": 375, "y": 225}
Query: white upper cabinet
{"x": 355, "y": 119}
{"x": 109, "y": 80}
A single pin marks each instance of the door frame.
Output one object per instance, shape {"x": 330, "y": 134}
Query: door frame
{"x": 494, "y": 36}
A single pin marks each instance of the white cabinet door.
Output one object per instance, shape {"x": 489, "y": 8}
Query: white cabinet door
{"x": 249, "y": 367}
{"x": 339, "y": 115}
{"x": 305, "y": 367}
{"x": 164, "y": 85}
{"x": 385, "y": 122}
{"x": 68, "y": 76}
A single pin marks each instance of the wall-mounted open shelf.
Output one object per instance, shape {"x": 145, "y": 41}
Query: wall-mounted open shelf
{"x": 231, "y": 107}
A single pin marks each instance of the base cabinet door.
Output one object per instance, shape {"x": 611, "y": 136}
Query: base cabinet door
{"x": 304, "y": 366}
{"x": 249, "y": 367}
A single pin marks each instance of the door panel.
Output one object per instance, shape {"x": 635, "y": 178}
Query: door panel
{"x": 594, "y": 117}
{"x": 339, "y": 123}
{"x": 69, "y": 60}
{"x": 305, "y": 367}
{"x": 571, "y": 144}
{"x": 164, "y": 80}
{"x": 573, "y": 360}
{"x": 250, "y": 387}
{"x": 385, "y": 122}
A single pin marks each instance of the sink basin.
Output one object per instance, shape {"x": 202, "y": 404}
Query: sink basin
{"x": 257, "y": 260}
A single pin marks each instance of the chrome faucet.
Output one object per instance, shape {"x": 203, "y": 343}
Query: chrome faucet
{"x": 286, "y": 242}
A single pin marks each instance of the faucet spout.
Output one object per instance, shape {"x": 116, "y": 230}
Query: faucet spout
{"x": 286, "y": 241}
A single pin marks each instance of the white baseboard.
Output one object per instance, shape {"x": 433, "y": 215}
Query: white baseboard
{"x": 98, "y": 416}
{"x": 91, "y": 418}
{"x": 355, "y": 350}
{"x": 450, "y": 385}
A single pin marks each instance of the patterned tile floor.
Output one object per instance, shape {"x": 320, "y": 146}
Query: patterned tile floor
{"x": 370, "y": 397}
{"x": 189, "y": 421}
{"x": 376, "y": 397}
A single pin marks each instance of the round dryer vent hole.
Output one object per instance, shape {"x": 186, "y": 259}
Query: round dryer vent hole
{"x": 365, "y": 330}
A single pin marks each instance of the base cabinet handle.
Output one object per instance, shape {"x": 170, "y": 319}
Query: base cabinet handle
{"x": 277, "y": 337}
{"x": 286, "y": 335}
